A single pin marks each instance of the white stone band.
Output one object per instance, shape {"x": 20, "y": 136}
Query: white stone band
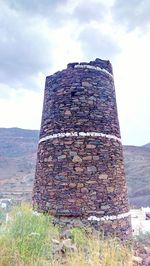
{"x": 80, "y": 134}
{"x": 95, "y": 68}
{"x": 111, "y": 217}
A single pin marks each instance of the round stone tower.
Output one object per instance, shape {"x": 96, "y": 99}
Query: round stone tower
{"x": 80, "y": 171}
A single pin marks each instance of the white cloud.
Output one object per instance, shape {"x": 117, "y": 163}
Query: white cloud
{"x": 132, "y": 14}
{"x": 41, "y": 37}
{"x": 104, "y": 46}
{"x": 24, "y": 48}
{"x": 132, "y": 85}
{"x": 22, "y": 109}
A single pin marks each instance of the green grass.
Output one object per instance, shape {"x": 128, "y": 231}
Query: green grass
{"x": 26, "y": 237}
{"x": 28, "y": 240}
{"x": 2, "y": 215}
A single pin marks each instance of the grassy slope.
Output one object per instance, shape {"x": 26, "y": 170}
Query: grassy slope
{"x": 17, "y": 165}
{"x": 31, "y": 240}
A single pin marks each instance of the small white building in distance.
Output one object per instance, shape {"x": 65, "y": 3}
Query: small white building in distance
{"x": 5, "y": 203}
{"x": 140, "y": 219}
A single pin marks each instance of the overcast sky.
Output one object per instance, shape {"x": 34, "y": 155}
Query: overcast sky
{"x": 38, "y": 38}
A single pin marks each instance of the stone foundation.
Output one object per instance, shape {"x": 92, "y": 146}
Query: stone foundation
{"x": 120, "y": 228}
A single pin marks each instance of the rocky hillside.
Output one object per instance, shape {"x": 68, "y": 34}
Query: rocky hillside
{"x": 137, "y": 168}
{"x": 17, "y": 165}
{"x": 17, "y": 161}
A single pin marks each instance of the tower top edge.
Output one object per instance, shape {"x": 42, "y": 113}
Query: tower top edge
{"x": 97, "y": 63}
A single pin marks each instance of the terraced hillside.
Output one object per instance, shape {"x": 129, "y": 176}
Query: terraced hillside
{"x": 137, "y": 168}
{"x": 17, "y": 165}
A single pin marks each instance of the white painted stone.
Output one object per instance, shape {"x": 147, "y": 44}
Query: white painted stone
{"x": 81, "y": 134}
{"x": 95, "y": 68}
{"x": 3, "y": 205}
{"x": 94, "y": 218}
{"x": 109, "y": 217}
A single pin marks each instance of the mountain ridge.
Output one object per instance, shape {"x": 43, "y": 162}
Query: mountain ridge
{"x": 18, "y": 149}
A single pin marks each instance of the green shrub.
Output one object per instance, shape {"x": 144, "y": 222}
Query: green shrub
{"x": 29, "y": 235}
{"x": 28, "y": 240}
{"x": 2, "y": 215}
{"x": 78, "y": 237}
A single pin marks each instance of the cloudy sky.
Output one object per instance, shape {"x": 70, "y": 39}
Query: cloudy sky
{"x": 38, "y": 38}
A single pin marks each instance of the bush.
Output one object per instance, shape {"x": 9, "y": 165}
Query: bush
{"x": 28, "y": 240}
{"x": 2, "y": 215}
{"x": 27, "y": 236}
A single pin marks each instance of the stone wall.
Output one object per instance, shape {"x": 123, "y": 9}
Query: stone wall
{"x": 80, "y": 170}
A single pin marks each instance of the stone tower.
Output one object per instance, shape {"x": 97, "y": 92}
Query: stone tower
{"x": 80, "y": 171}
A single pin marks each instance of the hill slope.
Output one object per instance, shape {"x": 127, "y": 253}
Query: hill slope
{"x": 137, "y": 169}
{"x": 17, "y": 160}
{"x": 17, "y": 166}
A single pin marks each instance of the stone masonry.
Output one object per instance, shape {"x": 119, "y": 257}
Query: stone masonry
{"x": 80, "y": 171}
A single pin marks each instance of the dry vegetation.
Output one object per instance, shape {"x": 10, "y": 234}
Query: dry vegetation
{"x": 29, "y": 239}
